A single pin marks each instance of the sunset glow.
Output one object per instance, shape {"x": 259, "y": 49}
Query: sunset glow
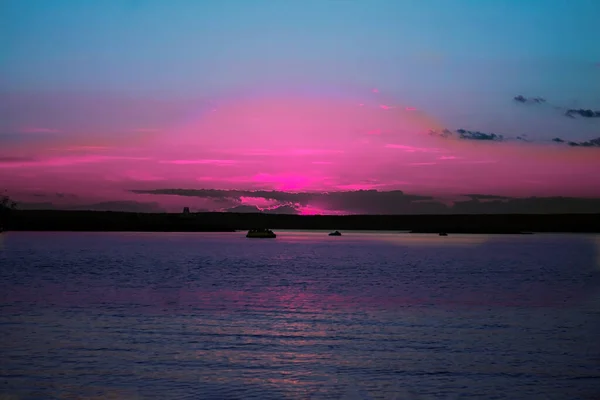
{"x": 432, "y": 123}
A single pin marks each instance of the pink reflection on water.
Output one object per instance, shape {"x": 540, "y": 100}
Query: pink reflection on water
{"x": 304, "y": 297}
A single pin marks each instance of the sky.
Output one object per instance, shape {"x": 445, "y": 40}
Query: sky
{"x": 294, "y": 106}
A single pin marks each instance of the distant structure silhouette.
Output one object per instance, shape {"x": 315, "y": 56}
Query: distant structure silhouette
{"x": 186, "y": 210}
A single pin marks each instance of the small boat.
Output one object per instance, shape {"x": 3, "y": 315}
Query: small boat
{"x": 336, "y": 233}
{"x": 261, "y": 234}
{"x": 443, "y": 234}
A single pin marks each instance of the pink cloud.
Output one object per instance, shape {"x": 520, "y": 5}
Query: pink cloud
{"x": 418, "y": 164}
{"x": 410, "y": 109}
{"x": 412, "y": 149}
{"x": 384, "y": 107}
{"x": 362, "y": 186}
{"x": 448, "y": 158}
{"x": 374, "y": 132}
{"x": 478, "y": 162}
{"x": 259, "y": 202}
{"x": 374, "y": 90}
{"x": 313, "y": 210}
{"x": 201, "y": 161}
{"x": 304, "y": 152}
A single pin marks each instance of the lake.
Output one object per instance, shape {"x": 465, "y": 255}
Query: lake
{"x": 304, "y": 316}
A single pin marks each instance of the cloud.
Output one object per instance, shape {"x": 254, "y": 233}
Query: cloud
{"x": 569, "y": 112}
{"x": 335, "y": 203}
{"x": 582, "y": 112}
{"x": 201, "y": 161}
{"x": 467, "y": 135}
{"x": 526, "y": 205}
{"x": 485, "y": 197}
{"x": 359, "y": 201}
{"x": 413, "y": 149}
{"x": 243, "y": 209}
{"x": 285, "y": 209}
{"x": 589, "y": 143}
{"x": 283, "y": 152}
{"x": 449, "y": 158}
{"x": 476, "y": 135}
{"x": 522, "y": 99}
{"x": 389, "y": 202}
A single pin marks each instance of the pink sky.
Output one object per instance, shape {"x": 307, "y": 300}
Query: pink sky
{"x": 290, "y": 143}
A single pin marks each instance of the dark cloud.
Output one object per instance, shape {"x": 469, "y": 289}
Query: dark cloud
{"x": 528, "y": 205}
{"x": 583, "y": 113}
{"x": 66, "y": 195}
{"x": 243, "y": 209}
{"x": 476, "y": 135}
{"x": 485, "y": 197}
{"x": 522, "y": 99}
{"x": 589, "y": 143}
{"x": 492, "y": 137}
{"x": 569, "y": 112}
{"x": 468, "y": 135}
{"x": 395, "y": 202}
{"x": 287, "y": 209}
{"x": 360, "y": 201}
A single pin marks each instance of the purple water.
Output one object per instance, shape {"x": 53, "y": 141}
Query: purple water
{"x": 303, "y": 316}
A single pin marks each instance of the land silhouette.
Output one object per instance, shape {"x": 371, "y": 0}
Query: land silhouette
{"x": 68, "y": 220}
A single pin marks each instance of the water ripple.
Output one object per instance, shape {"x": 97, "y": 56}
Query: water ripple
{"x": 368, "y": 316}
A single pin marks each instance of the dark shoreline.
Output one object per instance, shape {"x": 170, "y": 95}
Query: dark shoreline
{"x": 106, "y": 221}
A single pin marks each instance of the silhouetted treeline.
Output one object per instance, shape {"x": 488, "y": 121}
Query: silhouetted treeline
{"x": 50, "y": 220}
{"x": 59, "y": 220}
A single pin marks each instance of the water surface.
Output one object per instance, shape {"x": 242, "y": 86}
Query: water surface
{"x": 304, "y": 316}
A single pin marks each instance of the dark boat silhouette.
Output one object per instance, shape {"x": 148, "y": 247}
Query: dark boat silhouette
{"x": 443, "y": 234}
{"x": 261, "y": 234}
{"x": 336, "y": 233}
